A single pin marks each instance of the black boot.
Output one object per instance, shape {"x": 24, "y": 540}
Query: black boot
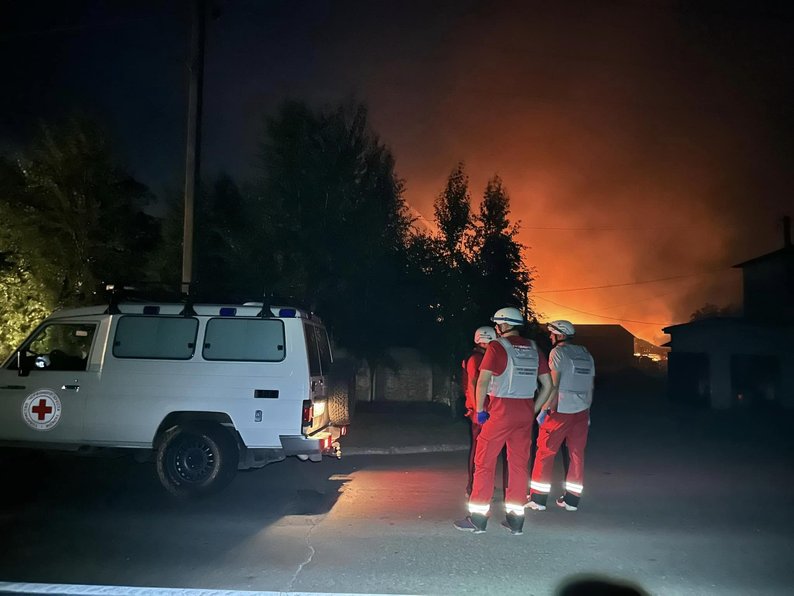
{"x": 479, "y": 520}
{"x": 516, "y": 523}
{"x": 472, "y": 523}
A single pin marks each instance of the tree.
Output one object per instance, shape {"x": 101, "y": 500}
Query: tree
{"x": 711, "y": 311}
{"x": 454, "y": 311}
{"x": 472, "y": 268}
{"x": 336, "y": 223}
{"x": 25, "y": 297}
{"x": 503, "y": 279}
{"x": 226, "y": 246}
{"x": 70, "y": 218}
{"x": 453, "y": 214}
{"x": 78, "y": 217}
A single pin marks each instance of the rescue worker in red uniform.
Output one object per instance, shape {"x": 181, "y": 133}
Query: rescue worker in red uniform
{"x": 567, "y": 418}
{"x": 471, "y": 372}
{"x": 509, "y": 375}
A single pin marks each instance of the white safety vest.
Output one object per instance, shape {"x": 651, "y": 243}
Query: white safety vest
{"x": 577, "y": 371}
{"x": 520, "y": 378}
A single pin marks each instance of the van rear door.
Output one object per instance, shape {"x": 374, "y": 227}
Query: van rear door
{"x": 319, "y": 354}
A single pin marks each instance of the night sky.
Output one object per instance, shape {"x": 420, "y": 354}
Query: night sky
{"x": 639, "y": 140}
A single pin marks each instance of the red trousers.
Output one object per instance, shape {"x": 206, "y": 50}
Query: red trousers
{"x": 476, "y": 429}
{"x": 571, "y": 428}
{"x": 475, "y": 434}
{"x": 510, "y": 424}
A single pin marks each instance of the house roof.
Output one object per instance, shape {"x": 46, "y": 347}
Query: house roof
{"x": 714, "y": 322}
{"x": 781, "y": 253}
{"x": 602, "y": 330}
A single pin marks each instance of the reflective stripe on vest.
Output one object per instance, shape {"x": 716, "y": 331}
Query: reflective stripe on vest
{"x": 520, "y": 377}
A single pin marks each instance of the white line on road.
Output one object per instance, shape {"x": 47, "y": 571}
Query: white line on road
{"x": 86, "y": 590}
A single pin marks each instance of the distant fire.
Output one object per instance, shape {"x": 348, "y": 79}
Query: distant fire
{"x": 645, "y": 349}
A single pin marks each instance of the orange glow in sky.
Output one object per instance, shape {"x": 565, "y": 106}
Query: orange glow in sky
{"x": 574, "y": 247}
{"x": 630, "y": 154}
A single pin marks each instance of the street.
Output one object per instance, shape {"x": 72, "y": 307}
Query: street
{"x": 678, "y": 503}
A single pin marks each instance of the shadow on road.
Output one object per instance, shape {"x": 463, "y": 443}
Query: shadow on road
{"x": 113, "y": 480}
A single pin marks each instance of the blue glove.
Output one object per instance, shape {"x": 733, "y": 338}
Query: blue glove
{"x": 482, "y": 417}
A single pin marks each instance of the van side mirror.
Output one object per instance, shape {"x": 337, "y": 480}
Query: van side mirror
{"x": 22, "y": 370}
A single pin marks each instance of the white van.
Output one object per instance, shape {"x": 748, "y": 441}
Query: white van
{"x": 208, "y": 389}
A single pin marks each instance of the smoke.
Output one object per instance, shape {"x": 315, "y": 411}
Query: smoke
{"x": 639, "y": 140}
{"x": 629, "y": 135}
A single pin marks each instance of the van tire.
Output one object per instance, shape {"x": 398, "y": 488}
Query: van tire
{"x": 196, "y": 460}
{"x": 340, "y": 404}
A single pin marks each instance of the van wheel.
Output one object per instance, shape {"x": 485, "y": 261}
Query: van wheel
{"x": 340, "y": 404}
{"x": 196, "y": 460}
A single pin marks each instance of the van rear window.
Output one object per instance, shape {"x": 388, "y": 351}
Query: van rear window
{"x": 248, "y": 340}
{"x": 162, "y": 338}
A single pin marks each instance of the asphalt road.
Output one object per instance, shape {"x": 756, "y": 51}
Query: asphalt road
{"x": 679, "y": 504}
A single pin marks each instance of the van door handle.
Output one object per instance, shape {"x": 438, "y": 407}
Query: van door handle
{"x": 71, "y": 387}
{"x": 12, "y": 387}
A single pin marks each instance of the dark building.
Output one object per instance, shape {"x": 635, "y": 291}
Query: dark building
{"x": 768, "y": 285}
{"x": 612, "y": 346}
{"x": 724, "y": 362}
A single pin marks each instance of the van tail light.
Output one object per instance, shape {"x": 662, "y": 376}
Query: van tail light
{"x": 308, "y": 412}
{"x": 326, "y": 443}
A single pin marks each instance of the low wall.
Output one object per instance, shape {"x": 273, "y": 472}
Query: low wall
{"x": 412, "y": 378}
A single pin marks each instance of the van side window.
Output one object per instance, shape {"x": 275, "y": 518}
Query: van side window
{"x": 164, "y": 338}
{"x": 324, "y": 347}
{"x": 319, "y": 350}
{"x": 59, "y": 346}
{"x": 248, "y": 340}
{"x": 315, "y": 366}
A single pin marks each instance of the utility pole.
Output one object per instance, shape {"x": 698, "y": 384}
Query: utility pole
{"x": 193, "y": 149}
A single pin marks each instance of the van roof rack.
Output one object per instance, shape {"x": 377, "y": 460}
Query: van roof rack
{"x": 150, "y": 292}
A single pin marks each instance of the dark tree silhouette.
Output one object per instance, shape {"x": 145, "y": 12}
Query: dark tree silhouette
{"x": 78, "y": 217}
{"x": 338, "y": 224}
{"x": 453, "y": 214}
{"x": 711, "y": 311}
{"x": 503, "y": 278}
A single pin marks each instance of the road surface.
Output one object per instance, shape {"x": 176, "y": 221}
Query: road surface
{"x": 678, "y": 503}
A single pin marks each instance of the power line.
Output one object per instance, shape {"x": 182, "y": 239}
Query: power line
{"x": 592, "y": 314}
{"x": 633, "y": 302}
{"x": 633, "y": 283}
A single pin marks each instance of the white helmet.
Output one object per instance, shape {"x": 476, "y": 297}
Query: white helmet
{"x": 484, "y": 335}
{"x": 561, "y": 327}
{"x": 510, "y": 315}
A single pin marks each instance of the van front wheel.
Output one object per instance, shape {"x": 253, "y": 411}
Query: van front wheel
{"x": 196, "y": 460}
